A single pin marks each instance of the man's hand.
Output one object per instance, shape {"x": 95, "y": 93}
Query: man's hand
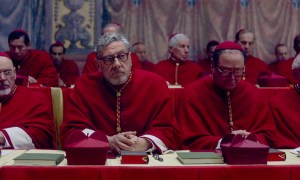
{"x": 244, "y": 133}
{"x": 123, "y": 140}
{"x": 31, "y": 79}
{"x": 61, "y": 83}
{"x": 141, "y": 144}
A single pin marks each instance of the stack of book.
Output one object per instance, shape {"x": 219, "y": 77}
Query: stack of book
{"x": 39, "y": 158}
{"x": 200, "y": 158}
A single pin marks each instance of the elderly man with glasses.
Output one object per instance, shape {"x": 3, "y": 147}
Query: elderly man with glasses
{"x": 132, "y": 108}
{"x": 25, "y": 114}
{"x": 223, "y": 104}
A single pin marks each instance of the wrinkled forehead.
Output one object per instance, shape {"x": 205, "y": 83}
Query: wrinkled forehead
{"x": 247, "y": 36}
{"x": 231, "y": 56}
{"x": 5, "y": 63}
{"x": 282, "y": 49}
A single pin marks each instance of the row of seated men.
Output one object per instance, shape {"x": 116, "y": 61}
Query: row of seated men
{"x": 36, "y": 68}
{"x": 133, "y": 107}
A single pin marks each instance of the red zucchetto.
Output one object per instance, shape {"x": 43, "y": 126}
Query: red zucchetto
{"x": 57, "y": 43}
{"x": 229, "y": 45}
{"x": 172, "y": 35}
{"x": 2, "y": 54}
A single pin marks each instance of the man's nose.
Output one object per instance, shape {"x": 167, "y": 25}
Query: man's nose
{"x": 2, "y": 76}
{"x": 116, "y": 62}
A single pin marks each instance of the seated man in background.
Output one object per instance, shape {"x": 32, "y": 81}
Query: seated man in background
{"x": 132, "y": 108}
{"x": 285, "y": 108}
{"x": 254, "y": 67}
{"x": 282, "y": 54}
{"x": 177, "y": 69}
{"x": 222, "y": 104}
{"x": 283, "y": 68}
{"x": 67, "y": 70}
{"x": 91, "y": 64}
{"x": 26, "y": 120}
{"x": 140, "y": 50}
{"x": 206, "y": 63}
{"x": 34, "y": 65}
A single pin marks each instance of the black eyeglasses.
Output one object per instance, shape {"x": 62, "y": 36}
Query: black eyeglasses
{"x": 108, "y": 60}
{"x": 236, "y": 72}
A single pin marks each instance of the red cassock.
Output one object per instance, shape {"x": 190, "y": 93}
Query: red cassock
{"x": 203, "y": 114}
{"x": 91, "y": 64}
{"x": 186, "y": 72}
{"x": 68, "y": 71}
{"x": 255, "y": 68}
{"x": 145, "y": 107}
{"x": 285, "y": 109}
{"x": 147, "y": 65}
{"x": 31, "y": 111}
{"x": 39, "y": 65}
{"x": 205, "y": 64}
{"x": 284, "y": 68}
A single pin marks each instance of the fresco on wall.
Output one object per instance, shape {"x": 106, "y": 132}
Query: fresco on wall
{"x": 73, "y": 23}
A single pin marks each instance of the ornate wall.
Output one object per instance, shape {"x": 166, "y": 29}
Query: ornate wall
{"x": 77, "y": 23}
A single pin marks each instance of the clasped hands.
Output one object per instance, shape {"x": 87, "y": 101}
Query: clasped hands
{"x": 128, "y": 141}
{"x": 244, "y": 133}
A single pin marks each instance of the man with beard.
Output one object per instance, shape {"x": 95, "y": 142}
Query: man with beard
{"x": 223, "y": 104}
{"x": 26, "y": 120}
{"x": 67, "y": 69}
{"x": 34, "y": 65}
{"x": 132, "y": 108}
{"x": 177, "y": 69}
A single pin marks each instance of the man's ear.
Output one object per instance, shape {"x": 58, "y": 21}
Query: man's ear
{"x": 29, "y": 45}
{"x": 170, "y": 49}
{"x": 98, "y": 65}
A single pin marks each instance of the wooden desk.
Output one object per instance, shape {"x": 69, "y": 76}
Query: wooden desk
{"x": 170, "y": 168}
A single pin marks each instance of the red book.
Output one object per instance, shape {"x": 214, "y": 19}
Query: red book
{"x": 276, "y": 155}
{"x": 134, "y": 157}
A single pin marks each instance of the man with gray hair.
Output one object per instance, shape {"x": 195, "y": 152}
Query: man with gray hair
{"x": 177, "y": 69}
{"x": 132, "y": 108}
{"x": 285, "y": 109}
{"x": 210, "y": 108}
{"x": 91, "y": 64}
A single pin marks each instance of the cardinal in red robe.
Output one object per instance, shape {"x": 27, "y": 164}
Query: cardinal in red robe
{"x": 223, "y": 104}
{"x": 26, "y": 119}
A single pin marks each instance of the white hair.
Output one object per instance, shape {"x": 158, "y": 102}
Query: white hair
{"x": 296, "y": 62}
{"x": 176, "y": 38}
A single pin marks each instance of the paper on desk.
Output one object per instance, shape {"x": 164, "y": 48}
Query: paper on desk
{"x": 295, "y": 151}
{"x": 5, "y": 152}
